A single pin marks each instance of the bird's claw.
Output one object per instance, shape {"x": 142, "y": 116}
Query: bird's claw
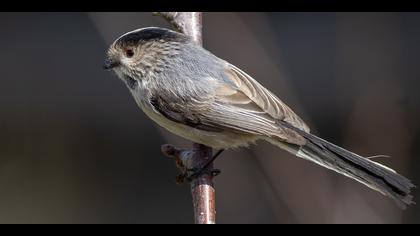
{"x": 197, "y": 172}
{"x": 188, "y": 174}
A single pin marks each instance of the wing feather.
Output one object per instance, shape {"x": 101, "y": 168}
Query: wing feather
{"x": 266, "y": 100}
{"x": 239, "y": 104}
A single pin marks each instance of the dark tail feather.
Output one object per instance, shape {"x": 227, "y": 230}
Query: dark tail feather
{"x": 372, "y": 174}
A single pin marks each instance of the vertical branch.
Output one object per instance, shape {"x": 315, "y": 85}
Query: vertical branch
{"x": 189, "y": 23}
{"x": 202, "y": 187}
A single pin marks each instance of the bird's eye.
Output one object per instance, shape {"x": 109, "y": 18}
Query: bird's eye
{"x": 129, "y": 52}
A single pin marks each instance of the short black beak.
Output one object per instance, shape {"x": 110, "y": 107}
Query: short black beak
{"x": 109, "y": 64}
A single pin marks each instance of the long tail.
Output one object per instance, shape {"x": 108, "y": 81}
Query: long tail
{"x": 367, "y": 172}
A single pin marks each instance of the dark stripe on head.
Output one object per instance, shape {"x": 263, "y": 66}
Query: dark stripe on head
{"x": 149, "y": 34}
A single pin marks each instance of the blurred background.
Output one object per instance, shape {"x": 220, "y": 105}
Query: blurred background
{"x": 75, "y": 148}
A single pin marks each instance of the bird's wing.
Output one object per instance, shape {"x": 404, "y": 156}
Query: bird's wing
{"x": 263, "y": 98}
{"x": 250, "y": 107}
{"x": 239, "y": 105}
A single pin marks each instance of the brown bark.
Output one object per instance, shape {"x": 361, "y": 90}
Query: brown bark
{"x": 202, "y": 187}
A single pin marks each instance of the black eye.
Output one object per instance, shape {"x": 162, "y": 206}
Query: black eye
{"x": 129, "y": 52}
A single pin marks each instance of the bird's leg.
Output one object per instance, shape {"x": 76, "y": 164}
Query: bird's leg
{"x": 203, "y": 169}
{"x": 180, "y": 155}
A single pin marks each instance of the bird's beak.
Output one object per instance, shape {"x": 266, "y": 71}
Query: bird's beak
{"x": 110, "y": 64}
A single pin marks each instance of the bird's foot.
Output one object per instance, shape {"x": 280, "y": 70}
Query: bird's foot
{"x": 198, "y": 172}
{"x": 189, "y": 173}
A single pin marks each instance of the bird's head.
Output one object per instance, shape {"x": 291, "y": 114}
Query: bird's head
{"x": 143, "y": 51}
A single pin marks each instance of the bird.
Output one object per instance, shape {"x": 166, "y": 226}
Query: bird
{"x": 194, "y": 94}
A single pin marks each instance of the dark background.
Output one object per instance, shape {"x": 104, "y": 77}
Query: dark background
{"x": 74, "y": 147}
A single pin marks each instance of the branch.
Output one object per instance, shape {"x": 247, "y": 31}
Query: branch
{"x": 202, "y": 187}
{"x": 189, "y": 23}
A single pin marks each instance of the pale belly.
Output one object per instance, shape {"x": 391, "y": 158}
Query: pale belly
{"x": 217, "y": 140}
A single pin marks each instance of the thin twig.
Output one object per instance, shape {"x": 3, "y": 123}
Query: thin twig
{"x": 202, "y": 187}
